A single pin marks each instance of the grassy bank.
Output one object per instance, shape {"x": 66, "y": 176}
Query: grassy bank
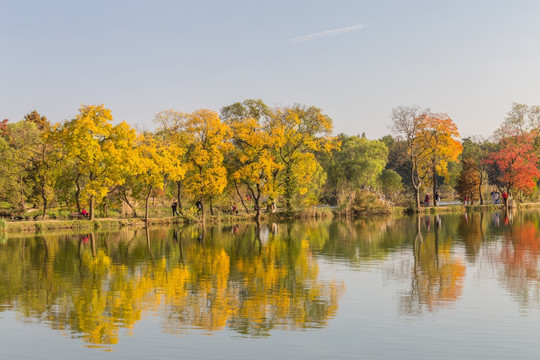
{"x": 313, "y": 213}
{"x": 45, "y": 225}
{"x": 477, "y": 207}
{"x": 118, "y": 223}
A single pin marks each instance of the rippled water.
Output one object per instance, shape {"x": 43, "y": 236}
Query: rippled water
{"x": 453, "y": 286}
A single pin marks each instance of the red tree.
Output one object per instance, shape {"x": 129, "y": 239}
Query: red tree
{"x": 517, "y": 163}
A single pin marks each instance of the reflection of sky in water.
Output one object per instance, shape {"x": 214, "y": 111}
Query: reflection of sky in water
{"x": 465, "y": 289}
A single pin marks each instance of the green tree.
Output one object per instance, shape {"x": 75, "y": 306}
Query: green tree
{"x": 41, "y": 156}
{"x": 519, "y": 120}
{"x": 7, "y": 180}
{"x": 358, "y": 161}
{"x": 299, "y": 130}
{"x": 28, "y": 163}
{"x": 391, "y": 183}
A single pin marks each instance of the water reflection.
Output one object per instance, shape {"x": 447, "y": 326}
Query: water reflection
{"x": 436, "y": 274}
{"x": 250, "y": 279}
{"x": 519, "y": 255}
{"x": 257, "y": 278}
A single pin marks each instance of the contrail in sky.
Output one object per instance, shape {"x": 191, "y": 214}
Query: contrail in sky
{"x": 327, "y": 33}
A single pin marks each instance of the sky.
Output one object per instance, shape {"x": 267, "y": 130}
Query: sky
{"x": 356, "y": 60}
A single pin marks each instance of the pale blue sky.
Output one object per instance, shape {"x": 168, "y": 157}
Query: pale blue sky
{"x": 471, "y": 59}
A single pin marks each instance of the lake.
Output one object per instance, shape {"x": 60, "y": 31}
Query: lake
{"x": 421, "y": 287}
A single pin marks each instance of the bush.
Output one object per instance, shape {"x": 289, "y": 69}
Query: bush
{"x": 190, "y": 214}
{"x": 367, "y": 202}
{"x": 58, "y": 213}
{"x": 318, "y": 212}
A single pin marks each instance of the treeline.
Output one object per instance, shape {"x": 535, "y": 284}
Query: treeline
{"x": 428, "y": 154}
{"x": 256, "y": 157}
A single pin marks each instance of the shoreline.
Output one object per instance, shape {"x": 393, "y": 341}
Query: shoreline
{"x": 37, "y": 226}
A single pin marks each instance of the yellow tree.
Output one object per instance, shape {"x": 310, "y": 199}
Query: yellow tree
{"x": 100, "y": 150}
{"x": 171, "y": 131}
{"x": 153, "y": 161}
{"x": 253, "y": 161}
{"x": 298, "y": 132}
{"x": 406, "y": 124}
{"x": 205, "y": 138}
{"x": 431, "y": 143}
{"x": 439, "y": 136}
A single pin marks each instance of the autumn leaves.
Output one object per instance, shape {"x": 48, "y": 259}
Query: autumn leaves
{"x": 269, "y": 152}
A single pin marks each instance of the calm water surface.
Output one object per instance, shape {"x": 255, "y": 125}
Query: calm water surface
{"x": 454, "y": 286}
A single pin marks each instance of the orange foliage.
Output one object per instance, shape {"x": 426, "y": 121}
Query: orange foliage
{"x": 517, "y": 163}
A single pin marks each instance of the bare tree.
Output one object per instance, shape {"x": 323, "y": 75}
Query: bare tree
{"x": 406, "y": 125}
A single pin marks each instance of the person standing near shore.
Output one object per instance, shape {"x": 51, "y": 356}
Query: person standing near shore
{"x": 199, "y": 206}
{"x": 174, "y": 208}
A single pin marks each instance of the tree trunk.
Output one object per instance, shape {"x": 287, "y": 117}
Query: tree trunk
{"x": 179, "y": 195}
{"x": 415, "y": 185}
{"x": 202, "y": 209}
{"x": 105, "y": 208}
{"x": 256, "y": 199}
{"x": 23, "y": 202}
{"x": 211, "y": 208}
{"x": 91, "y": 205}
{"x": 44, "y": 208}
{"x": 124, "y": 197}
{"x": 480, "y": 193}
{"x": 241, "y": 198}
{"x": 146, "y": 207}
{"x": 78, "y": 194}
{"x": 289, "y": 187}
{"x": 417, "y": 195}
{"x": 44, "y": 197}
{"x": 434, "y": 175}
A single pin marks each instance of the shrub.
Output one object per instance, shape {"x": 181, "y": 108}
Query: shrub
{"x": 318, "y": 212}
{"x": 190, "y": 214}
{"x": 369, "y": 202}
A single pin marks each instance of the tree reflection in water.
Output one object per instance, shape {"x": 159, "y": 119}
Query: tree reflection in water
{"x": 251, "y": 279}
{"x": 256, "y": 278}
{"x": 519, "y": 255}
{"x": 436, "y": 275}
